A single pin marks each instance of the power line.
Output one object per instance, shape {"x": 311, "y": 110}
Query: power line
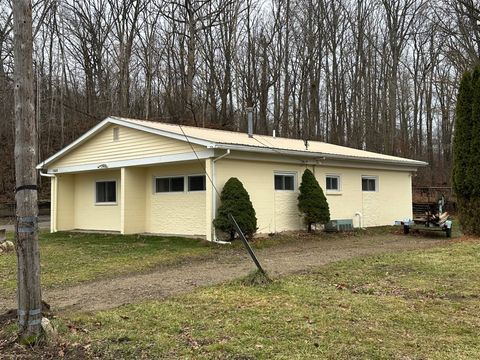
{"x": 198, "y": 159}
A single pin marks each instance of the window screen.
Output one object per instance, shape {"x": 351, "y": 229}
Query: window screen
{"x": 284, "y": 182}
{"x": 106, "y": 191}
{"x": 170, "y": 184}
{"x": 369, "y": 184}
{"x": 196, "y": 183}
{"x": 333, "y": 182}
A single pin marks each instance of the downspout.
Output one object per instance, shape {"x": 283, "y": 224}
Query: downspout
{"x": 359, "y": 214}
{"x": 52, "y": 220}
{"x": 47, "y": 175}
{"x": 214, "y": 192}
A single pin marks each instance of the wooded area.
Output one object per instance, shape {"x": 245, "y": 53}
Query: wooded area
{"x": 379, "y": 75}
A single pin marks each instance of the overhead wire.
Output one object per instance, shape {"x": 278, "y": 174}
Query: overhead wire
{"x": 198, "y": 159}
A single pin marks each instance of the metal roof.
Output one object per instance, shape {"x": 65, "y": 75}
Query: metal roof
{"x": 222, "y": 139}
{"x": 263, "y": 143}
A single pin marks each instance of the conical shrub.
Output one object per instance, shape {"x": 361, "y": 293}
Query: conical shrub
{"x": 312, "y": 202}
{"x": 235, "y": 200}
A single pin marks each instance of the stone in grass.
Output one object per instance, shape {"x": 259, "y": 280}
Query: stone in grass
{"x": 7, "y": 246}
{"x": 48, "y": 329}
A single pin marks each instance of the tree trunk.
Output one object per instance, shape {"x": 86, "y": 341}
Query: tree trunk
{"x": 26, "y": 235}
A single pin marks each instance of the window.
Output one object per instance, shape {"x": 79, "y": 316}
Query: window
{"x": 116, "y": 133}
{"x": 333, "y": 182}
{"x": 369, "y": 183}
{"x": 284, "y": 181}
{"x": 196, "y": 183}
{"x": 169, "y": 184}
{"x": 106, "y": 192}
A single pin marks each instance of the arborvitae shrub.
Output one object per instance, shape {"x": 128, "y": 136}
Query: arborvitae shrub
{"x": 466, "y": 154}
{"x": 312, "y": 202}
{"x": 236, "y": 201}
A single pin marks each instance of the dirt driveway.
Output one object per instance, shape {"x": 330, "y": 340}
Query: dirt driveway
{"x": 278, "y": 260}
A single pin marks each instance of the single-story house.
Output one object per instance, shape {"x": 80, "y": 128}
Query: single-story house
{"x": 135, "y": 176}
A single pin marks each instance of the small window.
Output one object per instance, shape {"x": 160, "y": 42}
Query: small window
{"x": 196, "y": 183}
{"x": 116, "y": 134}
{"x": 170, "y": 184}
{"x": 284, "y": 182}
{"x": 369, "y": 183}
{"x": 333, "y": 182}
{"x": 106, "y": 192}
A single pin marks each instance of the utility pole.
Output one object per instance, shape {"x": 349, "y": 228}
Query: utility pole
{"x": 26, "y": 232}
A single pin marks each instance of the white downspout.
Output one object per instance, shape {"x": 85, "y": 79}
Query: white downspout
{"x": 360, "y": 216}
{"x": 214, "y": 193}
{"x": 47, "y": 175}
{"x": 53, "y": 222}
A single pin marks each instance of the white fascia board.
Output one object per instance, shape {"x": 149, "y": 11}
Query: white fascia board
{"x": 117, "y": 121}
{"x": 134, "y": 162}
{"x": 324, "y": 163}
{"x": 322, "y": 156}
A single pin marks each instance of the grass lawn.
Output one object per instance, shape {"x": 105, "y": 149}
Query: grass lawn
{"x": 410, "y": 305}
{"x": 70, "y": 258}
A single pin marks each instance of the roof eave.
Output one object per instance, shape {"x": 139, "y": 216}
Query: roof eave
{"x": 318, "y": 155}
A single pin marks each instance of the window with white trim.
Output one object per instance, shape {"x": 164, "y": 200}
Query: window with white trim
{"x": 106, "y": 192}
{"x": 170, "y": 184}
{"x": 196, "y": 183}
{"x": 285, "y": 182}
{"x": 369, "y": 183}
{"x": 332, "y": 183}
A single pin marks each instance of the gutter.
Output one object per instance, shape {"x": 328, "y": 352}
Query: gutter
{"x": 214, "y": 194}
{"x": 258, "y": 149}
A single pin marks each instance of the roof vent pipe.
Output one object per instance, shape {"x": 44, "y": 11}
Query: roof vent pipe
{"x": 250, "y": 121}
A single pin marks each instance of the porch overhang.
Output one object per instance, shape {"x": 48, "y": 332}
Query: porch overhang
{"x": 155, "y": 160}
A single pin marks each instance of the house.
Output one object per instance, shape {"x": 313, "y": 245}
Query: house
{"x": 134, "y": 176}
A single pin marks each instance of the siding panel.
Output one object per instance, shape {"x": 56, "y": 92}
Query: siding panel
{"x": 132, "y": 144}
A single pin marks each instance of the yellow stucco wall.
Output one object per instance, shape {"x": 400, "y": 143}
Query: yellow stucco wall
{"x": 139, "y": 209}
{"x": 277, "y": 210}
{"x": 175, "y": 213}
{"x": 133, "y": 197}
{"x": 91, "y": 216}
{"x": 132, "y": 144}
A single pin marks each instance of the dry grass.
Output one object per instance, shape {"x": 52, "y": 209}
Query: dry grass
{"x": 410, "y": 305}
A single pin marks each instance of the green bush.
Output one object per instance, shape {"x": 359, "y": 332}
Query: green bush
{"x": 466, "y": 142}
{"x": 236, "y": 201}
{"x": 312, "y": 202}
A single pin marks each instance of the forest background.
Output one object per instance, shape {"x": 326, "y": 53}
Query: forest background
{"x": 379, "y": 75}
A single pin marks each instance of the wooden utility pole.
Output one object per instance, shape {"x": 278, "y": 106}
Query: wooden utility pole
{"x": 26, "y": 232}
